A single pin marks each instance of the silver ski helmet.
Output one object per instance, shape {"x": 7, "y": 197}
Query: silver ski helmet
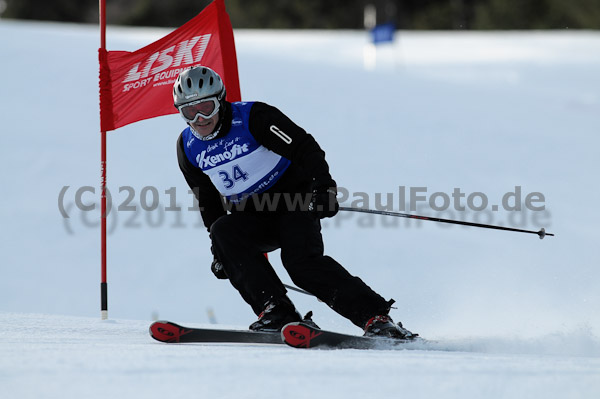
{"x": 197, "y": 83}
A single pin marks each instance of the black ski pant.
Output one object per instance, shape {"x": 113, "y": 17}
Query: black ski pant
{"x": 240, "y": 240}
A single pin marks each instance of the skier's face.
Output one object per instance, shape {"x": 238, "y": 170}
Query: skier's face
{"x": 204, "y": 127}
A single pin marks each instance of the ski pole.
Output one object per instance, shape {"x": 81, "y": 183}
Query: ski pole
{"x": 541, "y": 233}
{"x": 291, "y": 287}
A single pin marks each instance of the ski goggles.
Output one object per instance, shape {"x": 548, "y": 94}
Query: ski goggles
{"x": 205, "y": 108}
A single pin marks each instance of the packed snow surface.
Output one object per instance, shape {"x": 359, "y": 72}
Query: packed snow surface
{"x": 490, "y": 114}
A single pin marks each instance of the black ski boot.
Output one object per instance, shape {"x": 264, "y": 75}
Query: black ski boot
{"x": 309, "y": 321}
{"x": 383, "y": 326}
{"x": 277, "y": 313}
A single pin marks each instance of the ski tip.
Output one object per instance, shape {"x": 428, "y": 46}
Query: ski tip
{"x": 165, "y": 331}
{"x": 298, "y": 334}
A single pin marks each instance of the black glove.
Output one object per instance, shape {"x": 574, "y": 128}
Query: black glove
{"x": 324, "y": 202}
{"x": 217, "y": 267}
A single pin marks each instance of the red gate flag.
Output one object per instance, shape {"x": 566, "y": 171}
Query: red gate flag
{"x": 139, "y": 85}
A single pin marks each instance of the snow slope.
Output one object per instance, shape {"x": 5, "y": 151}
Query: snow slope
{"x": 73, "y": 357}
{"x": 483, "y": 112}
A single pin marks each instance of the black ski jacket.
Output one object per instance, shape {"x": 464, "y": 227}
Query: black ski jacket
{"x": 308, "y": 169}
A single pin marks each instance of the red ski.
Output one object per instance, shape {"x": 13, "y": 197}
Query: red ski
{"x": 166, "y": 331}
{"x": 302, "y": 335}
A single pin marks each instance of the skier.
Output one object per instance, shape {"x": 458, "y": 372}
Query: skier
{"x": 250, "y": 159}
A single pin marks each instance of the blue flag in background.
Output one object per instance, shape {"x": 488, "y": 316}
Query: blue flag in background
{"x": 383, "y": 33}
